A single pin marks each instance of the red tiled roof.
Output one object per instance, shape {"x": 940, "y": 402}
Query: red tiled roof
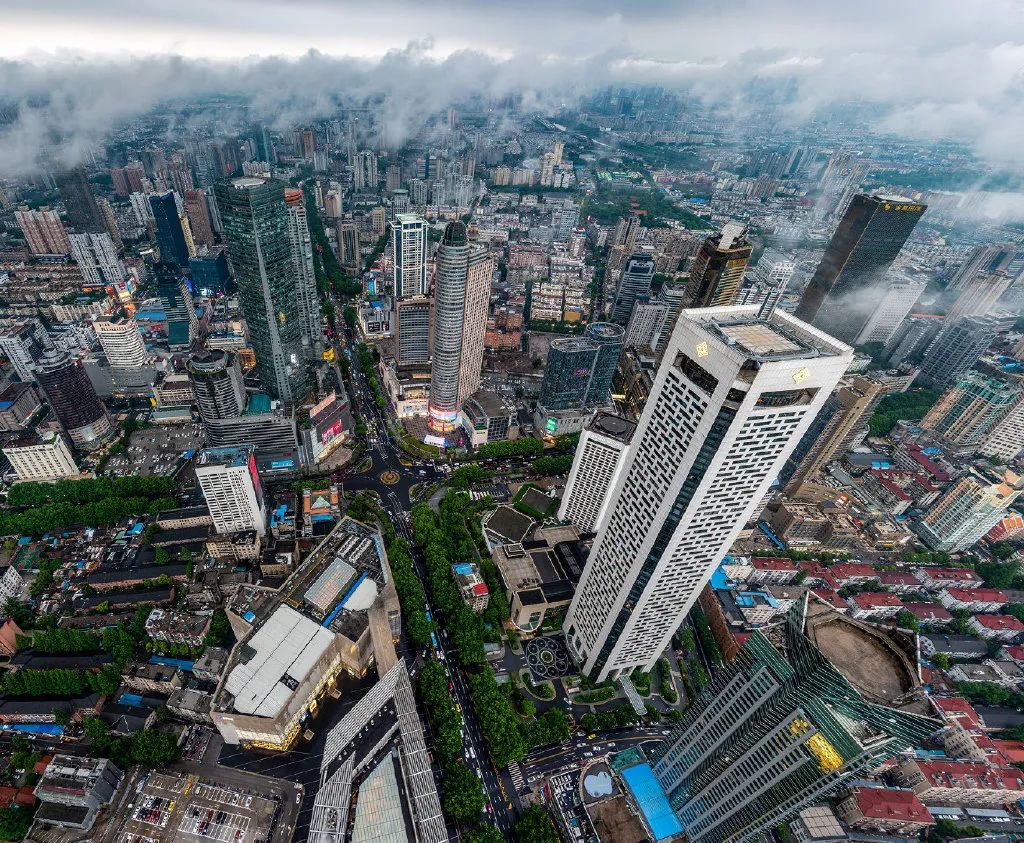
{"x": 772, "y": 563}
{"x": 960, "y": 575}
{"x": 971, "y": 774}
{"x": 928, "y": 611}
{"x": 1000, "y": 622}
{"x": 1015, "y": 652}
{"x": 845, "y": 570}
{"x": 479, "y": 589}
{"x": 897, "y": 578}
{"x": 885, "y": 804}
{"x": 957, "y": 708}
{"x": 870, "y": 600}
{"x": 1012, "y": 751}
{"x": 830, "y": 596}
{"x": 970, "y": 595}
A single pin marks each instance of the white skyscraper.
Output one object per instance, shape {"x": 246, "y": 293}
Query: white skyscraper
{"x": 731, "y": 399}
{"x": 409, "y": 251}
{"x": 646, "y": 324}
{"x": 231, "y": 486}
{"x": 96, "y": 257}
{"x": 600, "y": 455}
{"x": 122, "y": 343}
{"x": 305, "y": 278}
{"x": 41, "y": 459}
{"x": 893, "y": 307}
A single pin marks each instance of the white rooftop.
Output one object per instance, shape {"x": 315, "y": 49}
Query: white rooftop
{"x": 287, "y": 645}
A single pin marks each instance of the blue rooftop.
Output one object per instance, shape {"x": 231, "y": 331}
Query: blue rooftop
{"x": 259, "y": 403}
{"x": 234, "y": 456}
{"x": 651, "y": 800}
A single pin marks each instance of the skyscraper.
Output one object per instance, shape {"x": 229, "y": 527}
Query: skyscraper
{"x": 73, "y": 398}
{"x": 596, "y": 466}
{"x": 217, "y": 380}
{"x": 955, "y": 350}
{"x": 891, "y": 309}
{"x": 305, "y": 278}
{"x": 646, "y": 324}
{"x": 179, "y": 307}
{"x": 634, "y": 285}
{"x": 719, "y": 266}
{"x": 1006, "y": 441}
{"x": 626, "y": 232}
{"x": 969, "y": 410}
{"x": 409, "y": 254}
{"x": 231, "y": 486}
{"x": 348, "y": 246}
{"x": 789, "y": 721}
{"x": 850, "y": 279}
{"x": 364, "y": 173}
{"x": 461, "y": 294}
{"x": 44, "y": 232}
{"x": 986, "y": 259}
{"x": 579, "y": 370}
{"x": 979, "y": 295}
{"x": 79, "y": 203}
{"x": 256, "y": 225}
{"x": 732, "y": 397}
{"x": 197, "y": 211}
{"x": 969, "y": 508}
{"x": 96, "y": 256}
{"x": 414, "y": 331}
{"x": 122, "y": 343}
{"x": 170, "y": 233}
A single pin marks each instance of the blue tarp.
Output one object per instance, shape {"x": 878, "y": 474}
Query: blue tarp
{"x": 138, "y": 528}
{"x": 651, "y": 800}
{"x": 463, "y": 569}
{"x": 134, "y": 700}
{"x": 249, "y": 616}
{"x": 33, "y": 728}
{"x": 775, "y": 540}
{"x": 169, "y": 662}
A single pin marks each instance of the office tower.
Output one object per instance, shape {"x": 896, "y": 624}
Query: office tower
{"x": 626, "y": 232}
{"x": 180, "y": 173}
{"x": 911, "y": 338}
{"x": 256, "y": 223}
{"x": 839, "y": 426}
{"x": 179, "y": 308}
{"x": 596, "y": 466}
{"x": 634, "y": 285}
{"x": 217, "y": 380}
{"x": 891, "y": 309}
{"x": 231, "y": 486}
{"x": 73, "y": 398}
{"x": 732, "y": 397}
{"x": 851, "y": 277}
{"x": 264, "y": 144}
{"x": 414, "y": 329}
{"x": 1006, "y": 441}
{"x": 23, "y": 344}
{"x": 969, "y": 508}
{"x": 96, "y": 256}
{"x": 198, "y": 214}
{"x": 393, "y": 174}
{"x": 990, "y": 258}
{"x": 969, "y": 410}
{"x": 122, "y": 343}
{"x": 305, "y": 278}
{"x": 462, "y": 290}
{"x": 170, "y": 233}
{"x": 209, "y": 267}
{"x": 719, "y": 266}
{"x": 579, "y": 370}
{"x": 646, "y": 324}
{"x": 793, "y": 718}
{"x": 409, "y": 255}
{"x": 673, "y": 294}
{"x": 348, "y": 246}
{"x": 44, "y": 232}
{"x": 955, "y": 350}
{"x": 110, "y": 221}
{"x": 79, "y": 203}
{"x": 979, "y": 295}
{"x": 400, "y": 202}
{"x": 364, "y": 173}
{"x": 378, "y": 221}
{"x": 41, "y": 459}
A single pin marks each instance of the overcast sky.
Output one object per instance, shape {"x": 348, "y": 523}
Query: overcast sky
{"x": 944, "y": 68}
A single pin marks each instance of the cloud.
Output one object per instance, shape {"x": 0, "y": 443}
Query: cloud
{"x": 930, "y": 70}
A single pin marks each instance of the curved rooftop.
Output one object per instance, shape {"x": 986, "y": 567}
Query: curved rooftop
{"x": 455, "y": 234}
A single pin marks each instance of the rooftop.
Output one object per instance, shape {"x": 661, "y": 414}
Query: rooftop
{"x": 614, "y": 427}
{"x": 233, "y": 456}
{"x": 885, "y": 804}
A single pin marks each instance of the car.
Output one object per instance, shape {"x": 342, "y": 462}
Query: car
{"x": 298, "y": 797}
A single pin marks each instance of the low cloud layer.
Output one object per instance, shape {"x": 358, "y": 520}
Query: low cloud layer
{"x": 935, "y": 70}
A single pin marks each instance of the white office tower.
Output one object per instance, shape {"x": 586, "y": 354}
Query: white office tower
{"x": 96, "y": 256}
{"x": 893, "y": 306}
{"x": 646, "y": 324}
{"x": 409, "y": 255}
{"x": 732, "y": 397}
{"x": 463, "y": 287}
{"x": 122, "y": 343}
{"x": 231, "y": 486}
{"x": 41, "y": 459}
{"x": 305, "y": 278}
{"x": 600, "y": 455}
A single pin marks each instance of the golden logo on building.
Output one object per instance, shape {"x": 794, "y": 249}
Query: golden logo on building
{"x": 801, "y": 376}
{"x": 702, "y": 349}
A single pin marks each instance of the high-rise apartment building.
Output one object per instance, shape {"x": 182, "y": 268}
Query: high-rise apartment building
{"x": 851, "y": 277}
{"x": 305, "y": 278}
{"x": 596, "y": 466}
{"x": 732, "y": 397}
{"x": 579, "y": 370}
{"x": 179, "y": 307}
{"x": 348, "y": 245}
{"x": 893, "y": 305}
{"x": 41, "y": 459}
{"x": 44, "y": 232}
{"x": 231, "y": 486}
{"x": 197, "y": 211}
{"x": 409, "y": 255}
{"x": 170, "y": 232}
{"x": 646, "y": 324}
{"x": 96, "y": 256}
{"x": 626, "y": 232}
{"x": 83, "y": 213}
{"x": 24, "y": 343}
{"x": 979, "y": 295}
{"x": 673, "y": 294}
{"x": 462, "y": 290}
{"x": 122, "y": 343}
{"x": 1006, "y": 441}
{"x": 968, "y": 412}
{"x": 256, "y": 226}
{"x": 968, "y": 509}
{"x": 955, "y": 350}
{"x": 414, "y": 331}
{"x": 74, "y": 400}
{"x": 789, "y": 722}
{"x": 719, "y": 266}
{"x": 364, "y": 172}
{"x": 217, "y": 380}
{"x": 634, "y": 285}
{"x": 210, "y": 273}
{"x": 987, "y": 259}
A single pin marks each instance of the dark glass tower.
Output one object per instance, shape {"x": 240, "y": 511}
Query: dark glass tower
{"x": 850, "y": 280}
{"x": 179, "y": 308}
{"x": 719, "y": 267}
{"x": 73, "y": 398}
{"x": 82, "y": 209}
{"x": 579, "y": 370}
{"x": 217, "y": 380}
{"x": 634, "y": 285}
{"x": 256, "y": 230}
{"x": 170, "y": 236}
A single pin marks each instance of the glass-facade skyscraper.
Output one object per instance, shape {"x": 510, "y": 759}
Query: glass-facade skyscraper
{"x": 256, "y": 229}
{"x": 579, "y": 370}
{"x": 851, "y": 278}
{"x": 73, "y": 398}
{"x": 170, "y": 233}
{"x": 634, "y": 285}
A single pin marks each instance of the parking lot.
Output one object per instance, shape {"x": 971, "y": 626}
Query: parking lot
{"x": 156, "y": 451}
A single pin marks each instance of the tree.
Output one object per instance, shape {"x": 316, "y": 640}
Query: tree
{"x": 15, "y": 822}
{"x": 484, "y": 834}
{"x": 941, "y": 660}
{"x": 219, "y": 632}
{"x": 996, "y": 574}
{"x": 462, "y": 793}
{"x": 21, "y": 614}
{"x": 906, "y": 620}
{"x": 535, "y": 826}
{"x": 62, "y": 716}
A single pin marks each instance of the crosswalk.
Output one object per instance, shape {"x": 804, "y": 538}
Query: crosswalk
{"x": 518, "y": 782}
